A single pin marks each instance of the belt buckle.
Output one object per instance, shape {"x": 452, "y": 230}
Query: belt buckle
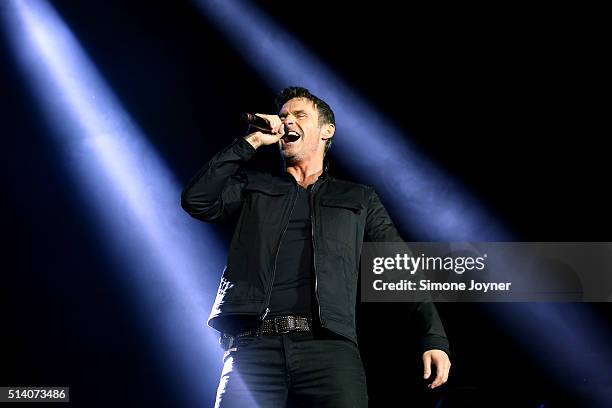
{"x": 290, "y": 323}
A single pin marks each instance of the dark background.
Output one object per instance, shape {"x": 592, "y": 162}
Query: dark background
{"x": 509, "y": 101}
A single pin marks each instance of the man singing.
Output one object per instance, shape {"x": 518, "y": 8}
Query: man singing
{"x": 286, "y": 302}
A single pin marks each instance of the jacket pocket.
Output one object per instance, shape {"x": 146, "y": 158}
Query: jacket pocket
{"x": 341, "y": 222}
{"x": 350, "y": 205}
{"x": 262, "y": 209}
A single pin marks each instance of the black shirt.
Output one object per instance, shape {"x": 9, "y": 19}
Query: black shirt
{"x": 294, "y": 279}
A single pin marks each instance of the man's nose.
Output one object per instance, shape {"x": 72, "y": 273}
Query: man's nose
{"x": 288, "y": 120}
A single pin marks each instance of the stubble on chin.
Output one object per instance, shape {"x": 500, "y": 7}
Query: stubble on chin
{"x": 290, "y": 159}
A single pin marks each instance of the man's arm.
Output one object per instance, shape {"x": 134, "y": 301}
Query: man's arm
{"x": 380, "y": 228}
{"x": 214, "y": 194}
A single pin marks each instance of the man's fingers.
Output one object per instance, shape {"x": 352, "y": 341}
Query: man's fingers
{"x": 439, "y": 379}
{"x": 281, "y": 130}
{"x": 278, "y": 128}
{"x": 442, "y": 369}
{"x": 276, "y": 124}
{"x": 274, "y": 121}
{"x": 426, "y": 365}
{"x": 440, "y": 360}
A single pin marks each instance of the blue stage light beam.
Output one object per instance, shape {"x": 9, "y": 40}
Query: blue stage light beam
{"x": 366, "y": 141}
{"x": 420, "y": 196}
{"x": 170, "y": 263}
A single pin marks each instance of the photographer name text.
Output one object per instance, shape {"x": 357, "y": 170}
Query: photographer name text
{"x": 427, "y": 285}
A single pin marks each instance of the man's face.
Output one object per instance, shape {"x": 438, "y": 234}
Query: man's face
{"x": 301, "y": 116}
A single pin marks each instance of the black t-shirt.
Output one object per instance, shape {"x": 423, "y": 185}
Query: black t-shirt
{"x": 294, "y": 278}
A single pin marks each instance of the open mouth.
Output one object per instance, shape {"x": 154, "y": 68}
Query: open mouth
{"x": 291, "y": 136}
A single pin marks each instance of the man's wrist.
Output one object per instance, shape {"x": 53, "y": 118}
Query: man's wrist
{"x": 253, "y": 140}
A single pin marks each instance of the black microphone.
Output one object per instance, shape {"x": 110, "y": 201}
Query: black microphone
{"x": 262, "y": 124}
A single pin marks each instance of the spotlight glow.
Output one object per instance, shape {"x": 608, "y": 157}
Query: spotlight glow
{"x": 436, "y": 206}
{"x": 169, "y": 262}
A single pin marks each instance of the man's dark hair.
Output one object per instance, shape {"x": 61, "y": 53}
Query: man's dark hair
{"x": 326, "y": 115}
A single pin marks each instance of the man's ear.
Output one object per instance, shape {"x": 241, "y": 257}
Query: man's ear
{"x": 328, "y": 131}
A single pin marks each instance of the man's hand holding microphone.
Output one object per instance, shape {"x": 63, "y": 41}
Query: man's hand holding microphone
{"x": 266, "y": 133}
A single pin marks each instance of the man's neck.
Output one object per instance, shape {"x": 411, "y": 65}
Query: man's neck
{"x": 306, "y": 172}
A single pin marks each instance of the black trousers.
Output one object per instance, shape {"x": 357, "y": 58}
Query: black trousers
{"x": 292, "y": 370}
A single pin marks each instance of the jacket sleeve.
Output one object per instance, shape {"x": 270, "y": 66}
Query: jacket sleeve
{"x": 380, "y": 228}
{"x": 214, "y": 194}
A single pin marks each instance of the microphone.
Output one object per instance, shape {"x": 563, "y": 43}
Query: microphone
{"x": 262, "y": 124}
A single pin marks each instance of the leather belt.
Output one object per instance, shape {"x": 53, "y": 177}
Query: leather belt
{"x": 280, "y": 324}
{"x": 271, "y": 326}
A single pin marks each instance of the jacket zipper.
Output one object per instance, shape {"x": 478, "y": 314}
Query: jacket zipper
{"x": 269, "y": 293}
{"x": 314, "y": 248}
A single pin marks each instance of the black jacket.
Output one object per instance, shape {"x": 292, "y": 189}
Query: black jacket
{"x": 344, "y": 214}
